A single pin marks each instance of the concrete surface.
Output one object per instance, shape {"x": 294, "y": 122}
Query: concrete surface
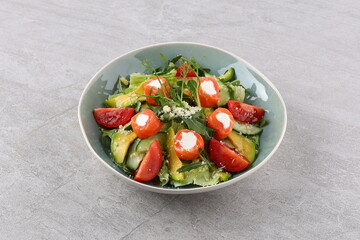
{"x": 52, "y": 187}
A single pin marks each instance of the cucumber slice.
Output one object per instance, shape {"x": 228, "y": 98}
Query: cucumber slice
{"x": 245, "y": 128}
{"x": 134, "y": 160}
{"x": 144, "y": 144}
{"x": 224, "y": 94}
{"x": 238, "y": 93}
{"x": 228, "y": 75}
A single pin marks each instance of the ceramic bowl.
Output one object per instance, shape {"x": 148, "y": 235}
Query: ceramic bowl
{"x": 264, "y": 94}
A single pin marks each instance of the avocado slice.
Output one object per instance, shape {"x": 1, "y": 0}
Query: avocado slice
{"x": 243, "y": 145}
{"x": 126, "y": 100}
{"x": 120, "y": 144}
{"x": 174, "y": 161}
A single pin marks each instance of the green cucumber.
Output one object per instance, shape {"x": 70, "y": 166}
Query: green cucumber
{"x": 134, "y": 160}
{"x": 144, "y": 144}
{"x": 228, "y": 75}
{"x": 224, "y": 94}
{"x": 237, "y": 93}
{"x": 245, "y": 128}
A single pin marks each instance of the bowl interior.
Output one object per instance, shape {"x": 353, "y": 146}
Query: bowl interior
{"x": 263, "y": 93}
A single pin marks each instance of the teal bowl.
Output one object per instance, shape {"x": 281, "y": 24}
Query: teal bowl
{"x": 264, "y": 94}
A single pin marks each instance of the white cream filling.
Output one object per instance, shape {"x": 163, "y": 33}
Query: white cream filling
{"x": 155, "y": 83}
{"x": 188, "y": 140}
{"x": 142, "y": 119}
{"x": 224, "y": 119}
{"x": 208, "y": 87}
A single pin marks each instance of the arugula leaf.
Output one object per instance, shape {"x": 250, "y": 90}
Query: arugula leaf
{"x": 191, "y": 166}
{"x": 175, "y": 59}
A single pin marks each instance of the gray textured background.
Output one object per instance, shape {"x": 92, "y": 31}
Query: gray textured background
{"x": 52, "y": 187}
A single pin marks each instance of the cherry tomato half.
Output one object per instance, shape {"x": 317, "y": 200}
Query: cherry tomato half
{"x": 151, "y": 164}
{"x": 225, "y": 157}
{"x": 222, "y": 121}
{"x": 187, "y": 144}
{"x": 185, "y": 70}
{"x": 208, "y": 92}
{"x": 245, "y": 113}
{"x": 145, "y": 124}
{"x": 113, "y": 117}
{"x": 152, "y": 86}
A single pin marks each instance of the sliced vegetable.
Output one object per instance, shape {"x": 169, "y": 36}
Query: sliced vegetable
{"x": 227, "y": 158}
{"x": 222, "y": 121}
{"x": 238, "y": 93}
{"x": 151, "y": 164}
{"x": 134, "y": 160}
{"x": 152, "y": 87}
{"x": 247, "y": 129}
{"x": 187, "y": 144}
{"x": 174, "y": 161}
{"x": 228, "y": 75}
{"x": 203, "y": 176}
{"x": 245, "y": 113}
{"x": 120, "y": 144}
{"x": 144, "y": 144}
{"x": 113, "y": 117}
{"x": 243, "y": 145}
{"x": 224, "y": 94}
{"x": 128, "y": 99}
{"x": 145, "y": 124}
{"x": 208, "y": 92}
{"x": 185, "y": 70}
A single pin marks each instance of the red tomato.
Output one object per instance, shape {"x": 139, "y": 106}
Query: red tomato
{"x": 185, "y": 71}
{"x": 187, "y": 144}
{"x": 113, "y": 117}
{"x": 151, "y": 164}
{"x": 151, "y": 88}
{"x": 222, "y": 121}
{"x": 245, "y": 113}
{"x": 225, "y": 157}
{"x": 145, "y": 124}
{"x": 208, "y": 92}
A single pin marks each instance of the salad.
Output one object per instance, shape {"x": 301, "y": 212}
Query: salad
{"x": 180, "y": 125}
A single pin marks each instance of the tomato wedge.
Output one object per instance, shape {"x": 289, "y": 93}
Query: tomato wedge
{"x": 222, "y": 121}
{"x": 145, "y": 124}
{"x": 113, "y": 117}
{"x": 208, "y": 92}
{"x": 185, "y": 70}
{"x": 187, "y": 144}
{"x": 225, "y": 157}
{"x": 151, "y": 164}
{"x": 152, "y": 86}
{"x": 245, "y": 113}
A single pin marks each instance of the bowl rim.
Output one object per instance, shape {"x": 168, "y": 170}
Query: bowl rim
{"x": 184, "y": 190}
